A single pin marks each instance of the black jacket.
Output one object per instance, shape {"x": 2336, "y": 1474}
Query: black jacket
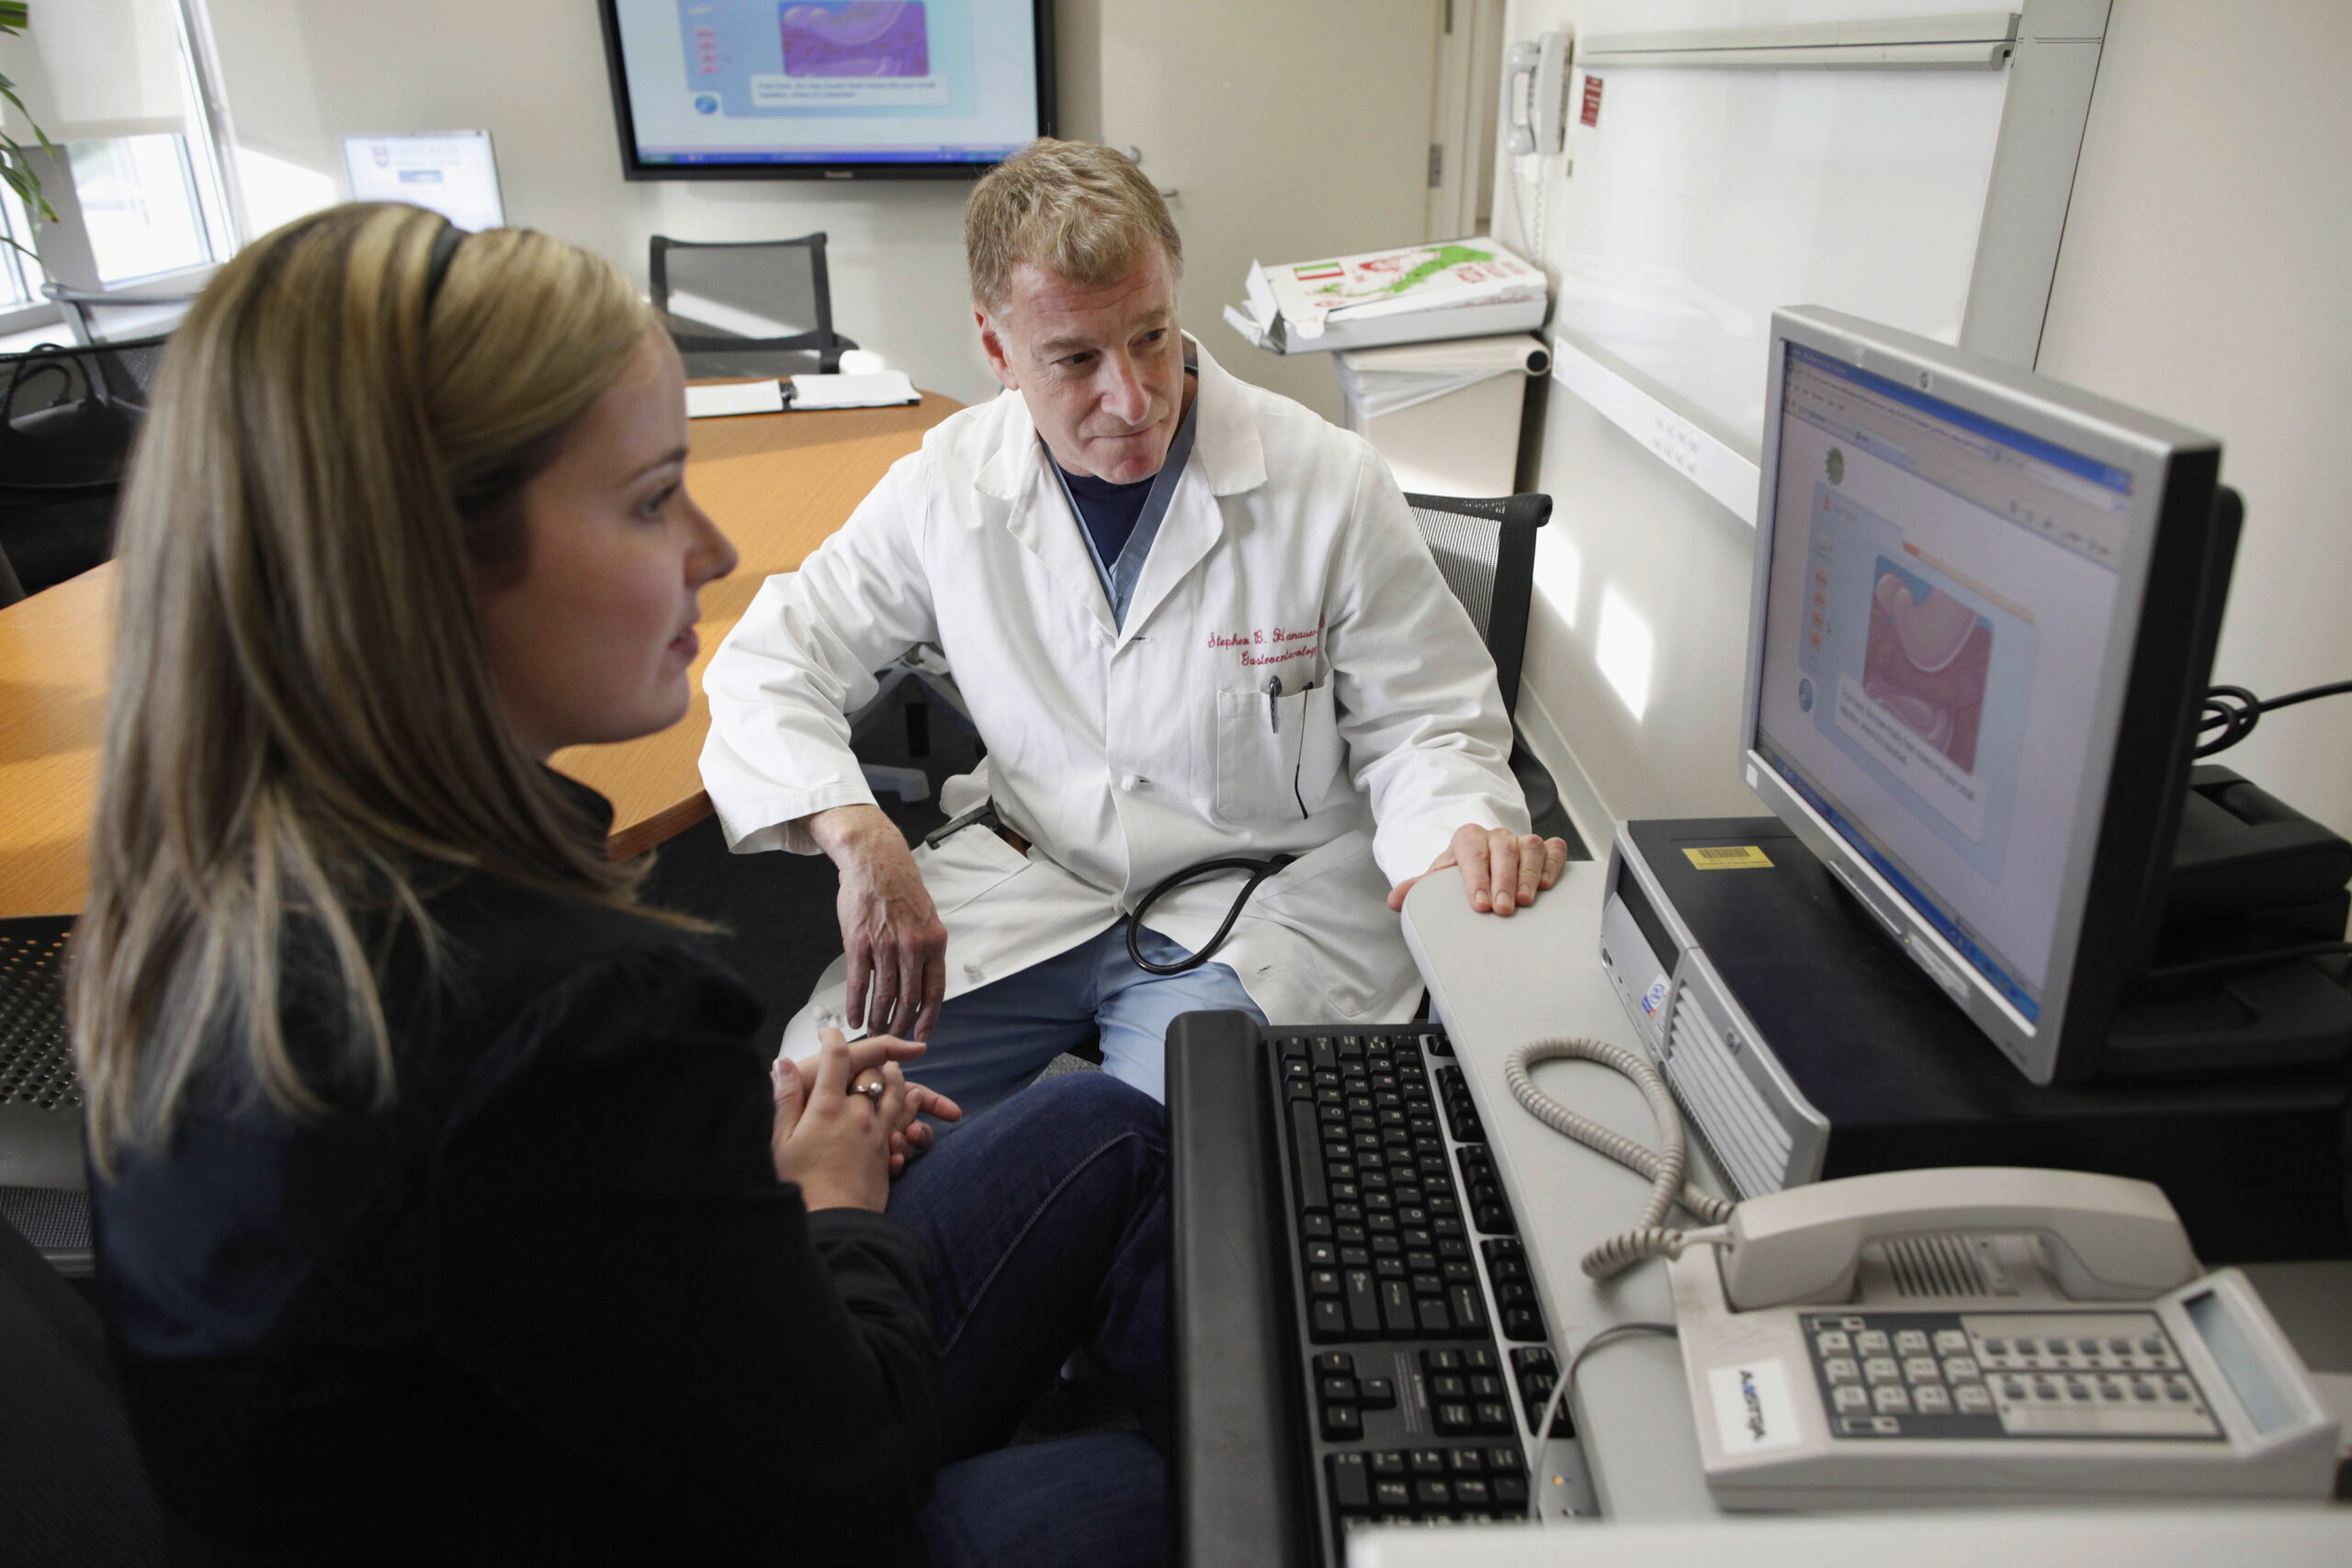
{"x": 552, "y": 1304}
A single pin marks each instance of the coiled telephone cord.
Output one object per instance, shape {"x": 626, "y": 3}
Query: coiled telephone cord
{"x": 1651, "y": 1237}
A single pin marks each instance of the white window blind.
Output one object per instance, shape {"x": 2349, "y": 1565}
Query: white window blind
{"x": 90, "y": 69}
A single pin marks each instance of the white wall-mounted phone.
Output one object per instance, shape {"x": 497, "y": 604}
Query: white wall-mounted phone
{"x": 1536, "y": 90}
{"x": 1932, "y": 1336}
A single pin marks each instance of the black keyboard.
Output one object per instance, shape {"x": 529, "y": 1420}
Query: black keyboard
{"x": 1422, "y": 1353}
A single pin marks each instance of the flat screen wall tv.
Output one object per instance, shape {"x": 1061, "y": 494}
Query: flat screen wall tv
{"x": 827, "y": 89}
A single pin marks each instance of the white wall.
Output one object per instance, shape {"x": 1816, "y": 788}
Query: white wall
{"x": 1633, "y": 552}
{"x": 1286, "y": 131}
{"x": 2207, "y": 275}
{"x": 2202, "y": 275}
{"x": 302, "y": 74}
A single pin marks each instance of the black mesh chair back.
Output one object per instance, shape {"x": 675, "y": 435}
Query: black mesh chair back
{"x": 71, "y": 417}
{"x": 43, "y": 1191}
{"x": 1486, "y": 551}
{"x": 749, "y": 308}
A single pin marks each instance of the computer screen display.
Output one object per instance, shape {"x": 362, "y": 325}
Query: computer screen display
{"x": 451, "y": 171}
{"x": 780, "y": 88}
{"x": 1953, "y": 620}
{"x": 1941, "y": 616}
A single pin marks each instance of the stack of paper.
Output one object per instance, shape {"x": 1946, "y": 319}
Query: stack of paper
{"x": 885, "y": 389}
{"x": 734, "y": 397}
{"x": 1470, "y": 287}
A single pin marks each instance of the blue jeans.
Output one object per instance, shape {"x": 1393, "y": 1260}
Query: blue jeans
{"x": 991, "y": 1042}
{"x": 1047, "y": 1223}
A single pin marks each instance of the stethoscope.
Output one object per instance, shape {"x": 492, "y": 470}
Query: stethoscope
{"x": 985, "y": 816}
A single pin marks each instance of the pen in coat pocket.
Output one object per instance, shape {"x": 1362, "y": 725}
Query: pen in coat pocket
{"x": 1273, "y": 703}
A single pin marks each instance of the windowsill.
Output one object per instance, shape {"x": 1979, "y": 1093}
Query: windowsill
{"x": 181, "y": 281}
{"x": 31, "y": 323}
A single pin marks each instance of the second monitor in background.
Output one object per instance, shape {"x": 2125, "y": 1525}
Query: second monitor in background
{"x": 452, "y": 172}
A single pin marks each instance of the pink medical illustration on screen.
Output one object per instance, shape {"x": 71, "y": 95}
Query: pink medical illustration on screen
{"x": 856, "y": 38}
{"x": 1927, "y": 664}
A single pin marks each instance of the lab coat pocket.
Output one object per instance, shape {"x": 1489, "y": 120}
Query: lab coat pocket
{"x": 966, "y": 864}
{"x": 1257, "y": 756}
{"x": 1318, "y": 746}
{"x": 1276, "y": 756}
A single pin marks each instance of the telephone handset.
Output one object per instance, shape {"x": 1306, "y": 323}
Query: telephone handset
{"x": 1925, "y": 1337}
{"x": 1542, "y": 63}
{"x": 2107, "y": 1238}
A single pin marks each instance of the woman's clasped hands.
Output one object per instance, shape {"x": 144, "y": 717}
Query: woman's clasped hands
{"x": 835, "y": 1136}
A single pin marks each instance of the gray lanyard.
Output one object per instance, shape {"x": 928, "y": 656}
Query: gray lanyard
{"x": 1120, "y": 577}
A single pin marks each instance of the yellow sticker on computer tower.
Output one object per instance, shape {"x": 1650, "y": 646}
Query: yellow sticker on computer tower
{"x": 1742, "y": 857}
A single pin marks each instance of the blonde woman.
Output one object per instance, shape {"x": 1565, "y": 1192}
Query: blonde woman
{"x": 445, "y": 1209}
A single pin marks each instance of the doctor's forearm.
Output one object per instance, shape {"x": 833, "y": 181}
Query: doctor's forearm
{"x": 851, "y": 833}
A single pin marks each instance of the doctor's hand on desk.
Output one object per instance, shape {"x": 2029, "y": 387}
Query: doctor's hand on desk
{"x": 1502, "y": 870}
{"x": 891, "y": 931}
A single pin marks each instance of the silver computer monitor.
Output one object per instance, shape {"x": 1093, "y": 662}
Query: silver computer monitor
{"x": 452, "y": 172}
{"x": 1982, "y": 616}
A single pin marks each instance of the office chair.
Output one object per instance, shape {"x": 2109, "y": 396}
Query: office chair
{"x": 75, "y": 1490}
{"x": 750, "y": 307}
{"x": 68, "y": 417}
{"x": 42, "y": 1191}
{"x": 1486, "y": 551}
{"x": 95, "y": 317}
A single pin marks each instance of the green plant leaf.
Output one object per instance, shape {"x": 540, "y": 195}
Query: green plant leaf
{"x": 19, "y": 178}
{"x": 13, "y": 166}
{"x": 9, "y": 93}
{"x": 15, "y": 16}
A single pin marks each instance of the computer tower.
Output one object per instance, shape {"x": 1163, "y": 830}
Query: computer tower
{"x": 1803, "y": 1046}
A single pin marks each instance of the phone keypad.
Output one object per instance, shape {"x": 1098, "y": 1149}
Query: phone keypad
{"x": 2094, "y": 1374}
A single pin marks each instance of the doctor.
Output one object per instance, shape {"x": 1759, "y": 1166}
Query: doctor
{"x": 1191, "y": 619}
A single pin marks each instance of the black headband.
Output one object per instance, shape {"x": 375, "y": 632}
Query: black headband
{"x": 437, "y": 267}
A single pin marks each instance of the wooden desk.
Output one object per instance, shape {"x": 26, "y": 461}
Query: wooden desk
{"x": 777, "y": 483}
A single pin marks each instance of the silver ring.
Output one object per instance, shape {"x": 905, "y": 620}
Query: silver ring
{"x": 871, "y": 1090}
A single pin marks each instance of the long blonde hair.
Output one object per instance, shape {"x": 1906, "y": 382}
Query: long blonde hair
{"x": 303, "y": 719}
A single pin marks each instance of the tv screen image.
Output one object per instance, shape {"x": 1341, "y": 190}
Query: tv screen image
{"x": 857, "y": 38}
{"x": 739, "y": 89}
{"x": 1930, "y": 651}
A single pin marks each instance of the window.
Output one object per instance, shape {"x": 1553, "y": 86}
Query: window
{"x": 142, "y": 205}
{"x": 19, "y": 276}
{"x": 139, "y": 207}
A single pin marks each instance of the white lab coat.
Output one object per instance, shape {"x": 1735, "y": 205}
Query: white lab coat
{"x": 1124, "y": 754}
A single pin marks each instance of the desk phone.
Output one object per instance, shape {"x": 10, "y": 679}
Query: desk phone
{"x": 1922, "y": 1337}
{"x": 1982, "y": 1334}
